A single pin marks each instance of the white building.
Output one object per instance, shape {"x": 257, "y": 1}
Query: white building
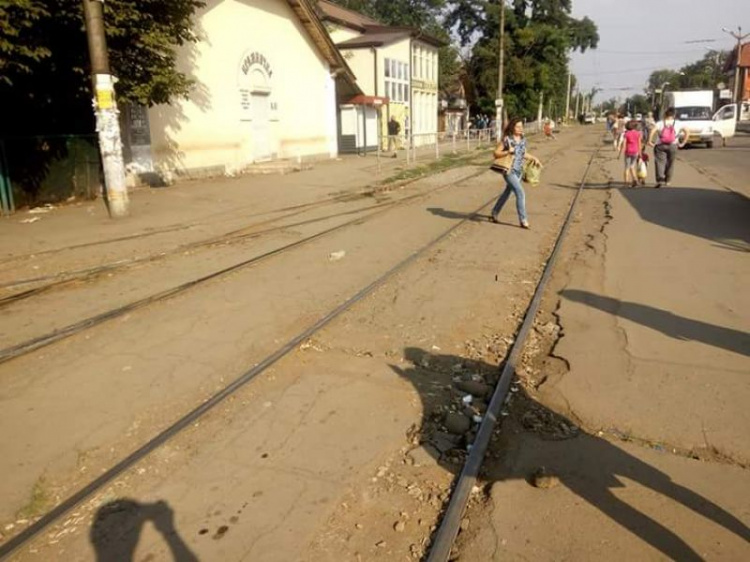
{"x": 393, "y": 62}
{"x": 268, "y": 83}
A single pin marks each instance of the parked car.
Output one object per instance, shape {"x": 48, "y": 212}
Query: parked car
{"x": 589, "y": 119}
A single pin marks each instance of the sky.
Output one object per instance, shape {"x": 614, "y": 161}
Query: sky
{"x": 637, "y": 37}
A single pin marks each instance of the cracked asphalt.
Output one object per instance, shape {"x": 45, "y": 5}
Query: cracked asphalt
{"x": 639, "y": 356}
{"x": 652, "y": 305}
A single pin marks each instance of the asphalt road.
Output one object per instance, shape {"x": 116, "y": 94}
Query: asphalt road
{"x": 728, "y": 166}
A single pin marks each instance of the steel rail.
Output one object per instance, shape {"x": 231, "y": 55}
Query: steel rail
{"x": 30, "y": 345}
{"x": 66, "y": 277}
{"x": 186, "y": 226}
{"x": 190, "y": 418}
{"x": 447, "y": 533}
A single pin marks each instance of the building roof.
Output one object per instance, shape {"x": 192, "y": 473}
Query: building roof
{"x": 374, "y": 33}
{"x": 377, "y": 39}
{"x": 343, "y": 16}
{"x": 310, "y": 20}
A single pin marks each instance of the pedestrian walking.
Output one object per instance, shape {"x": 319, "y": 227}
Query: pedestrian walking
{"x": 665, "y": 138}
{"x": 394, "y": 128}
{"x": 647, "y": 125}
{"x": 514, "y": 143}
{"x": 548, "y": 130}
{"x": 631, "y": 145}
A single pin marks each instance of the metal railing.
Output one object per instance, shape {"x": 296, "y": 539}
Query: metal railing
{"x": 48, "y": 169}
{"x": 420, "y": 147}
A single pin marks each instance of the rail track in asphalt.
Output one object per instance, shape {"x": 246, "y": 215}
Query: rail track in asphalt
{"x": 187, "y": 420}
{"x": 246, "y": 232}
{"x": 38, "y": 342}
{"x": 447, "y": 532}
{"x": 191, "y": 417}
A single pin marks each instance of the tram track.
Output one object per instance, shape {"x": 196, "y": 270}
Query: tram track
{"x": 190, "y": 418}
{"x": 450, "y": 525}
{"x": 33, "y": 344}
{"x": 64, "y": 278}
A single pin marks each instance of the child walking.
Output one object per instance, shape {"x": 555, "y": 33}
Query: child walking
{"x": 632, "y": 144}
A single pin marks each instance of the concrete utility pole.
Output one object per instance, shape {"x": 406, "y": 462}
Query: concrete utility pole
{"x": 501, "y": 71}
{"x": 541, "y": 109}
{"x": 578, "y": 98}
{"x": 567, "y": 97}
{"x": 105, "y": 109}
{"x": 740, "y": 38}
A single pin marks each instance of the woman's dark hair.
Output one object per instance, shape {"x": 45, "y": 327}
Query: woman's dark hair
{"x": 508, "y": 131}
{"x": 669, "y": 113}
{"x": 631, "y": 125}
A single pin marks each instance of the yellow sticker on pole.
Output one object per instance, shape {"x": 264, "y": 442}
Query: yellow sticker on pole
{"x": 105, "y": 98}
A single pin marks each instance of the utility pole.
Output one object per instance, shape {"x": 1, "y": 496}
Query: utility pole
{"x": 499, "y": 104}
{"x": 541, "y": 109}
{"x": 740, "y": 38}
{"x": 567, "y": 97}
{"x": 105, "y": 109}
{"x": 578, "y": 99}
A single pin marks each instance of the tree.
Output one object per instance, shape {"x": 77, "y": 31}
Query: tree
{"x": 539, "y": 34}
{"x": 44, "y": 64}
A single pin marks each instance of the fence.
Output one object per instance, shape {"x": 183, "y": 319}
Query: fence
{"x": 421, "y": 147}
{"x": 48, "y": 169}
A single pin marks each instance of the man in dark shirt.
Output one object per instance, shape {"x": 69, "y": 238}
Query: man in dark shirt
{"x": 394, "y": 128}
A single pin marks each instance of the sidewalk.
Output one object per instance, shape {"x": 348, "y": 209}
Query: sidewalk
{"x": 201, "y": 201}
{"x": 654, "y": 324}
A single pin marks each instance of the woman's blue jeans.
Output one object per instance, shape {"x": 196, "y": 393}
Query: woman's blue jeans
{"x": 513, "y": 184}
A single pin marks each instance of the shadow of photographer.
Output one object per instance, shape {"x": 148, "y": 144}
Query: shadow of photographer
{"x": 117, "y": 528}
{"x": 455, "y": 392}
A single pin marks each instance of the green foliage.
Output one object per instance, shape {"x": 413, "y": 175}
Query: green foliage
{"x": 19, "y": 46}
{"x": 539, "y": 34}
{"x": 44, "y": 61}
{"x": 45, "y": 85}
{"x": 705, "y": 73}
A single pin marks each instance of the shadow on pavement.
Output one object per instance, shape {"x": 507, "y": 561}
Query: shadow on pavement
{"x": 711, "y": 214}
{"x": 667, "y": 323}
{"x": 117, "y": 528}
{"x": 538, "y": 445}
{"x": 440, "y": 212}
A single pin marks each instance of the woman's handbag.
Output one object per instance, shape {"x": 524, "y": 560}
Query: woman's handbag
{"x": 502, "y": 165}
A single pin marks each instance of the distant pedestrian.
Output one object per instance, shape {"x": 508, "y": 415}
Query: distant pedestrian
{"x": 665, "y": 138}
{"x": 647, "y": 125}
{"x": 631, "y": 145}
{"x": 514, "y": 143}
{"x": 394, "y": 128}
{"x": 549, "y": 127}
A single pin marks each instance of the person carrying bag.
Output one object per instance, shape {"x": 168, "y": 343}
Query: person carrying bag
{"x": 510, "y": 156}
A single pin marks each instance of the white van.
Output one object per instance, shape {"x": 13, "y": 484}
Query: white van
{"x": 694, "y": 108}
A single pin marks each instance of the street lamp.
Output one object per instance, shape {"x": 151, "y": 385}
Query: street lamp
{"x": 740, "y": 38}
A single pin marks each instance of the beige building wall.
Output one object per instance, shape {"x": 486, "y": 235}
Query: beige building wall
{"x": 424, "y": 91}
{"x": 262, "y": 92}
{"x": 362, "y": 63}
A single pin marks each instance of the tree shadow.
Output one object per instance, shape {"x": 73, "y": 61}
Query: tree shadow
{"x": 706, "y": 213}
{"x": 537, "y": 444}
{"x": 668, "y": 323}
{"x": 167, "y": 120}
{"x": 117, "y": 528}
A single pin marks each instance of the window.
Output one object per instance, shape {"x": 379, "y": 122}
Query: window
{"x": 396, "y": 80}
